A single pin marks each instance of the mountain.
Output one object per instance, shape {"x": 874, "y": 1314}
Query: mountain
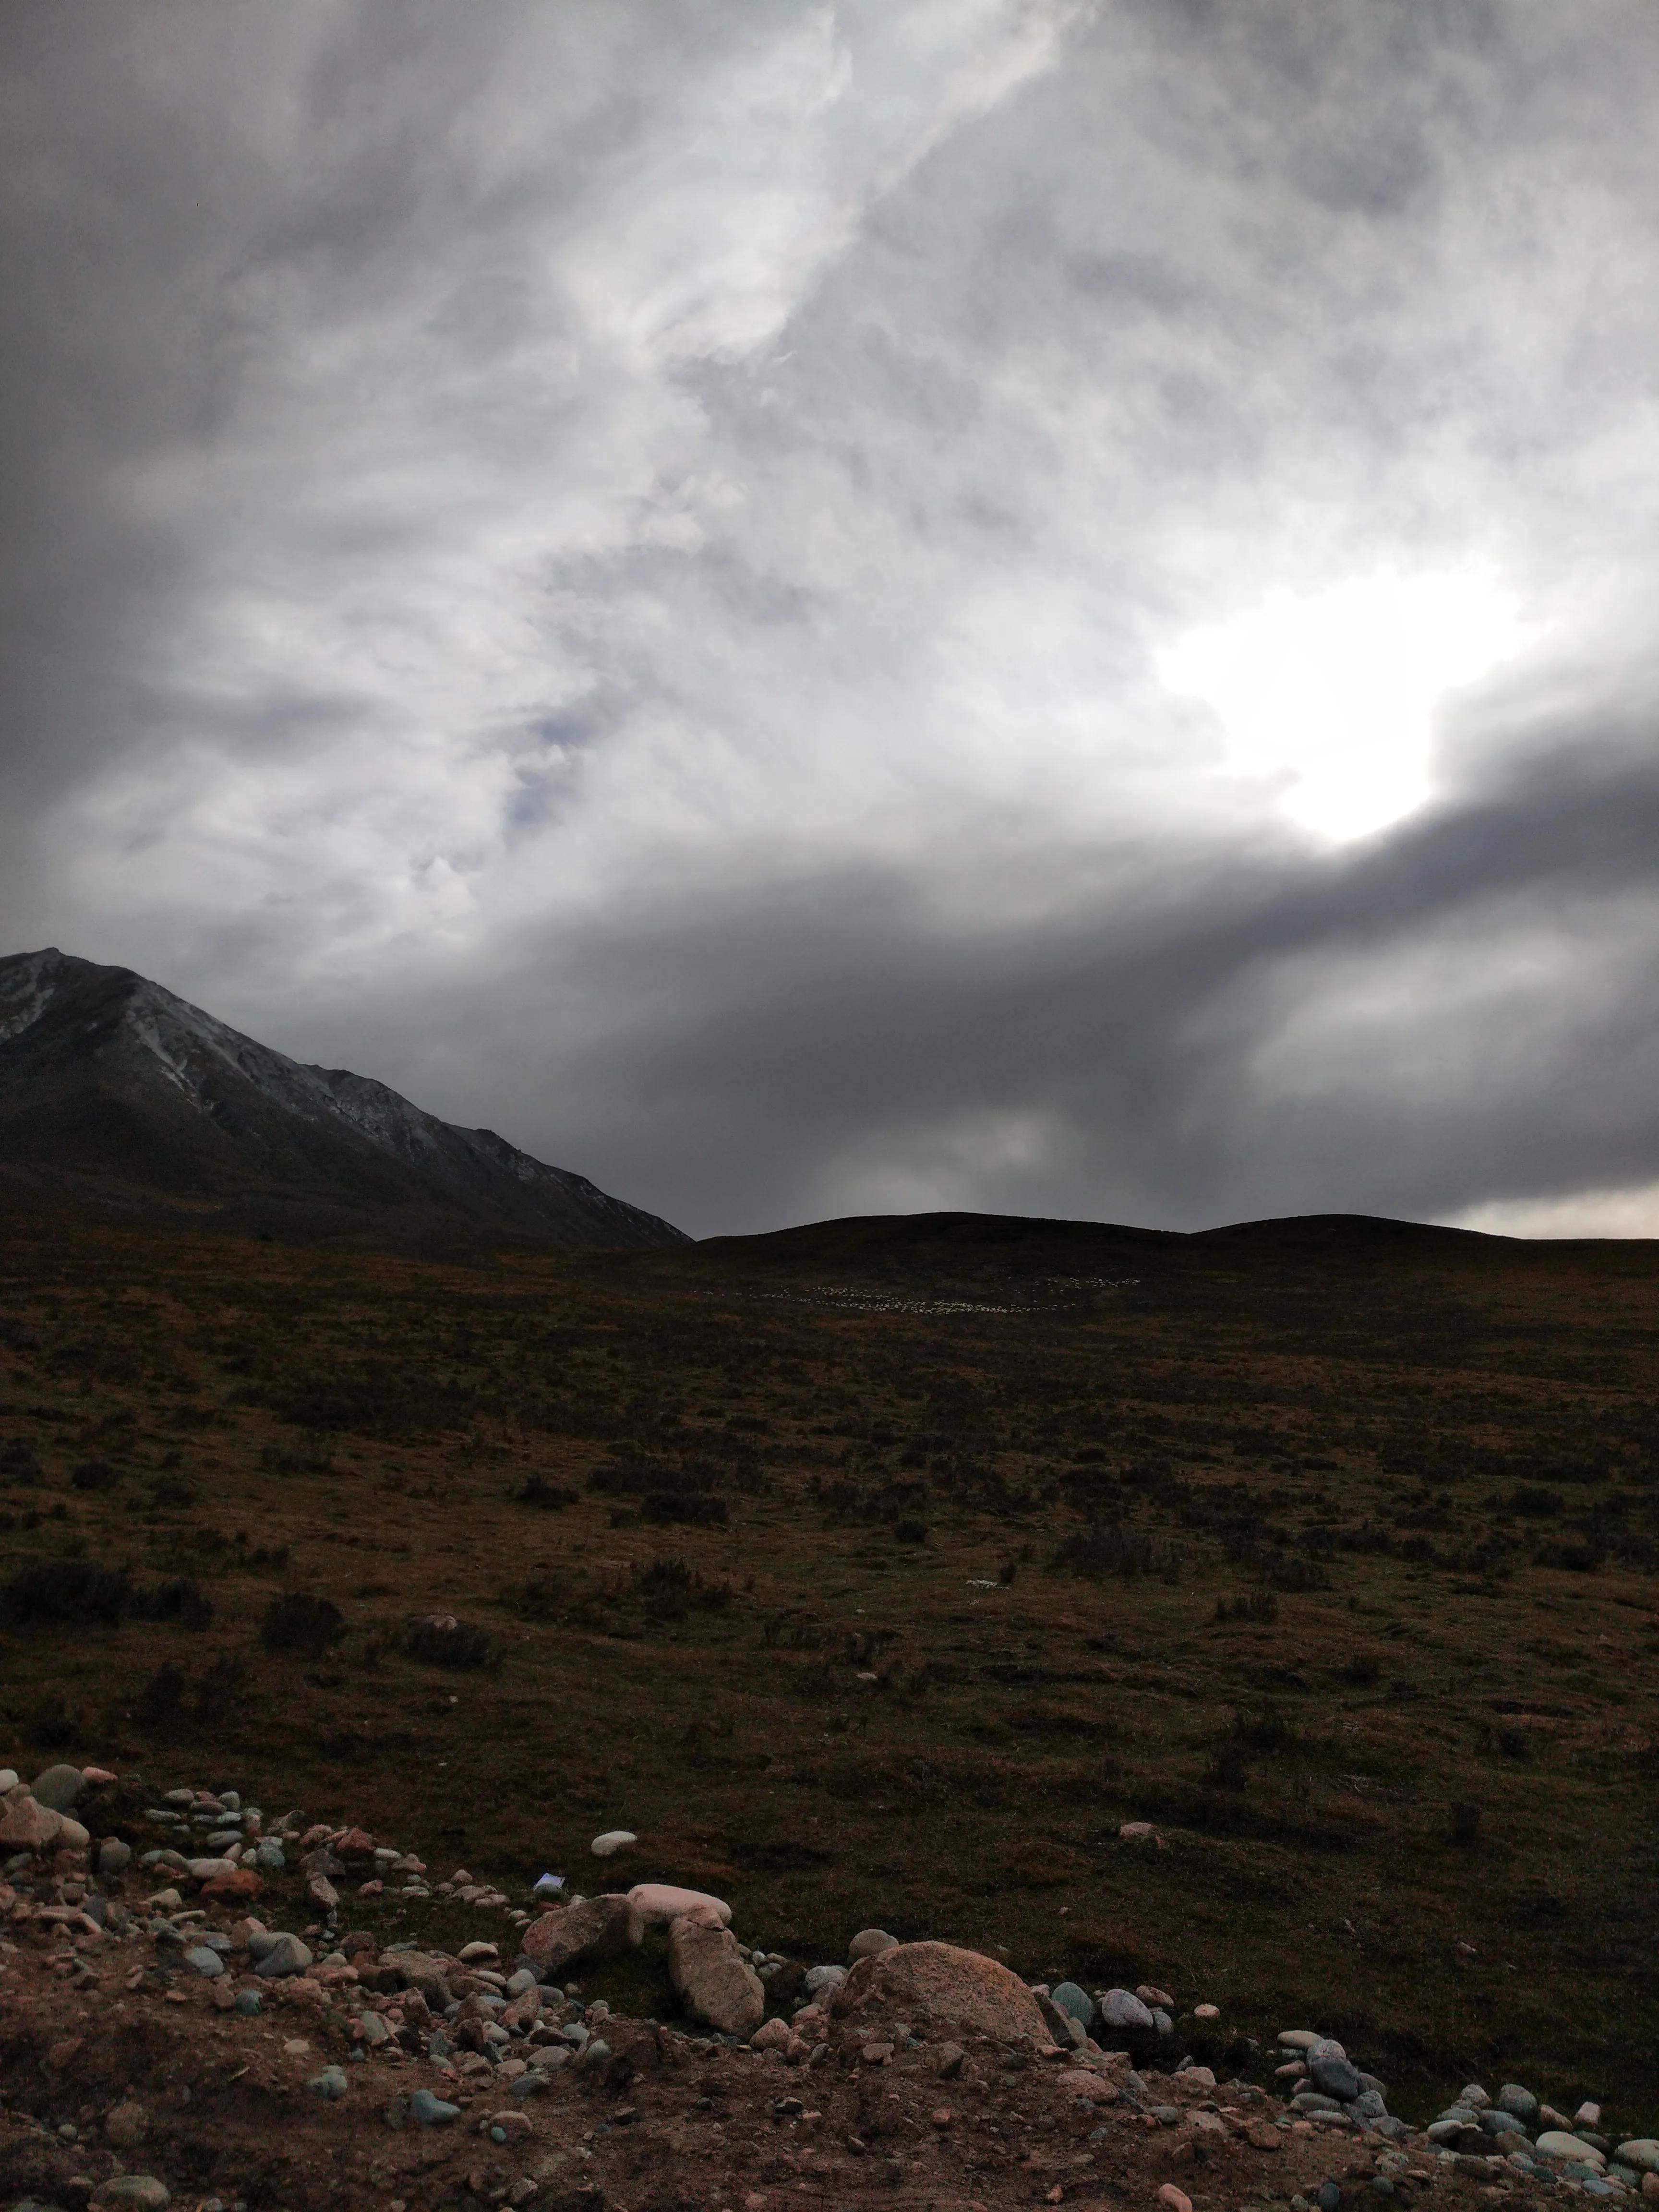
{"x": 112, "y": 1087}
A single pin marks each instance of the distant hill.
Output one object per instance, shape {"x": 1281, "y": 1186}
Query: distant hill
{"x": 114, "y": 1089}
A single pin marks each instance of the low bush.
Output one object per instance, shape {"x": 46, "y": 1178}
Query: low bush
{"x": 66, "y": 1593}
{"x": 443, "y": 1641}
{"x": 177, "y": 1599}
{"x": 1111, "y": 1548}
{"x": 296, "y": 1621}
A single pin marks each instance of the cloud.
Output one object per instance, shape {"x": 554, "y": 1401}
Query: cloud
{"x": 646, "y": 569}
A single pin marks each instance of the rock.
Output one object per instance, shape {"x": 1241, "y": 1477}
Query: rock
{"x": 1068, "y": 1997}
{"x": 432, "y": 2111}
{"x": 281, "y": 1955}
{"x": 1587, "y": 2116}
{"x": 330, "y": 2083}
{"x": 1370, "y": 2104}
{"x": 1206, "y": 2012}
{"x": 1496, "y": 2122}
{"x": 1174, "y": 2199}
{"x": 952, "y": 2057}
{"x": 414, "y": 1970}
{"x": 138, "y": 2192}
{"x": 1337, "y": 2077}
{"x": 113, "y": 1855}
{"x": 1298, "y": 2039}
{"x": 600, "y": 1927}
{"x": 9, "y": 1779}
{"x": 1154, "y": 1997}
{"x": 945, "y": 1987}
{"x": 1330, "y": 2197}
{"x": 473, "y": 1955}
{"x": 705, "y": 1967}
{"x": 1512, "y": 2098}
{"x": 1556, "y": 2144}
{"x": 60, "y": 1788}
{"x": 204, "y": 1961}
{"x": 1641, "y": 2151}
{"x": 823, "y": 1977}
{"x": 1123, "y": 2009}
{"x": 612, "y": 1841}
{"x": 374, "y": 2031}
{"x": 323, "y": 1892}
{"x": 867, "y": 1942}
{"x": 25, "y": 1825}
{"x": 659, "y": 1904}
{"x": 1474, "y": 2095}
{"x": 1197, "y": 2078}
{"x": 771, "y": 2035}
{"x": 269, "y": 1857}
{"x": 126, "y": 2124}
{"x": 247, "y": 2003}
{"x": 241, "y": 1885}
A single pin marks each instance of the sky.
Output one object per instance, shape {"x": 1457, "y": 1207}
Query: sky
{"x": 825, "y": 609}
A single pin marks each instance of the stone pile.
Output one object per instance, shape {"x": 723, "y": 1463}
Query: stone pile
{"x": 507, "y": 2015}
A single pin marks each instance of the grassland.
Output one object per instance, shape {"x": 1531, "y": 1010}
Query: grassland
{"x": 881, "y": 1573}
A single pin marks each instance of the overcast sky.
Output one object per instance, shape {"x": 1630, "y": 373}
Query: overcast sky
{"x": 822, "y": 609}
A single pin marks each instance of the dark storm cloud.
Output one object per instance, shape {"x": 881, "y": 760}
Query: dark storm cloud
{"x": 977, "y": 602}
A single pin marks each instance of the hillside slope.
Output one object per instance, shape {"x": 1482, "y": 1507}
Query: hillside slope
{"x": 109, "y": 1078}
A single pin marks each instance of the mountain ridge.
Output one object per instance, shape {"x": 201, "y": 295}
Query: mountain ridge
{"x": 105, "y": 1074}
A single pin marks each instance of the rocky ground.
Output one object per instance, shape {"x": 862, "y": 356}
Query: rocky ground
{"x": 163, "y": 2039}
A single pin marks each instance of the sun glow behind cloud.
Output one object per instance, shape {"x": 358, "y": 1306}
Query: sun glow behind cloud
{"x": 1333, "y": 696}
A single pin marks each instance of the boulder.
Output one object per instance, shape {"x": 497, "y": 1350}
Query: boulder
{"x": 1555, "y": 2142}
{"x": 705, "y": 1966}
{"x": 1123, "y": 2009}
{"x": 1068, "y": 1997}
{"x": 25, "y": 1825}
{"x": 945, "y": 1987}
{"x": 867, "y": 1942}
{"x": 597, "y": 1927}
{"x": 280, "y": 1956}
{"x": 414, "y": 1970}
{"x": 239, "y": 1885}
{"x": 612, "y": 1841}
{"x": 1337, "y": 2077}
{"x": 1512, "y": 2098}
{"x": 659, "y": 1903}
{"x": 61, "y": 1787}
{"x": 1641, "y": 2152}
{"x": 114, "y": 1857}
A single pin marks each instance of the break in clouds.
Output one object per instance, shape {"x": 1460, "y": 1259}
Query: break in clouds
{"x": 810, "y": 609}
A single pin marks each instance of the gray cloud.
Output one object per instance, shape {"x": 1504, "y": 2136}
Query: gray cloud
{"x": 809, "y": 608}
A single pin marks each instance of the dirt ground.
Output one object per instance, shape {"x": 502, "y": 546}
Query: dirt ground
{"x": 118, "y": 2058}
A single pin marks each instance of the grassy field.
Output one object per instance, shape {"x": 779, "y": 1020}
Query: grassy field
{"x": 880, "y": 1572}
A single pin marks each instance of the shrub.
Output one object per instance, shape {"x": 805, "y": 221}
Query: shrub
{"x": 57, "y": 1593}
{"x": 94, "y": 1475}
{"x": 1253, "y": 1605}
{"x": 911, "y": 1532}
{"x": 177, "y": 1599}
{"x": 1268, "y": 1730}
{"x": 536, "y": 1489}
{"x": 1110, "y": 1548}
{"x": 671, "y": 1588}
{"x": 697, "y": 1509}
{"x": 1464, "y": 1823}
{"x": 220, "y": 1686}
{"x": 1227, "y": 1768}
{"x": 160, "y": 1699}
{"x": 443, "y": 1641}
{"x": 299, "y": 1622}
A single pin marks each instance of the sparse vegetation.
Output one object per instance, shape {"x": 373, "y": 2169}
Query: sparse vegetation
{"x": 1255, "y": 1546}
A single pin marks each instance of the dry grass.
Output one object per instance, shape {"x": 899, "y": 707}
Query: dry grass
{"x": 882, "y": 1582}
